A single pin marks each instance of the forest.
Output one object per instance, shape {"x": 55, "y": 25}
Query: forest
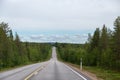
{"x": 14, "y": 52}
{"x": 101, "y": 50}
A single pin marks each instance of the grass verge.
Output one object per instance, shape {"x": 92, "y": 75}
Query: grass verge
{"x": 101, "y": 74}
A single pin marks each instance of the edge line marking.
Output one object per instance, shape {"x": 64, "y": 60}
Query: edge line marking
{"x": 75, "y": 72}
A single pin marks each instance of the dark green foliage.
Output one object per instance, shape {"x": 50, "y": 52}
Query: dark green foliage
{"x": 38, "y": 51}
{"x": 70, "y": 52}
{"x": 101, "y": 50}
{"x": 13, "y": 52}
{"x": 116, "y": 42}
{"x": 95, "y": 40}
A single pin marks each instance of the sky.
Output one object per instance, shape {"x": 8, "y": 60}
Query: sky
{"x": 65, "y": 21}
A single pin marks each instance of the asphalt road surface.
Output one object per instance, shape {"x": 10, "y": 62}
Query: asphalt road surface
{"x": 50, "y": 70}
{"x": 20, "y": 73}
{"x": 56, "y": 70}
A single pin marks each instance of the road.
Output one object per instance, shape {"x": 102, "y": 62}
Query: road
{"x": 56, "y": 70}
{"x": 50, "y": 70}
{"x": 20, "y": 73}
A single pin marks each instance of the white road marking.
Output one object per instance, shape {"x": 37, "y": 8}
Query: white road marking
{"x": 75, "y": 72}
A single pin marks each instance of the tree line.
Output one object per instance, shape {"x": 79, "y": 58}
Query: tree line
{"x": 102, "y": 49}
{"x": 14, "y": 52}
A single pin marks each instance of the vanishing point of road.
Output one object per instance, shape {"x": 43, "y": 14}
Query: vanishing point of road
{"x": 49, "y": 70}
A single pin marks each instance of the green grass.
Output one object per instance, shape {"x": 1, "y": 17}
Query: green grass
{"x": 103, "y": 73}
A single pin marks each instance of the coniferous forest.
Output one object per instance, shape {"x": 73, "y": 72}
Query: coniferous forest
{"x": 102, "y": 49}
{"x": 14, "y": 52}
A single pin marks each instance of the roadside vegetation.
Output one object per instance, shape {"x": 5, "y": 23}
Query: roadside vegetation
{"x": 102, "y": 73}
{"x": 97, "y": 73}
{"x": 101, "y": 51}
{"x": 100, "y": 54}
{"x": 14, "y": 52}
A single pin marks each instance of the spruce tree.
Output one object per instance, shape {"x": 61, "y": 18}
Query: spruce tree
{"x": 116, "y": 45}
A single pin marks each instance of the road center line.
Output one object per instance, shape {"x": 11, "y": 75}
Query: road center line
{"x": 35, "y": 72}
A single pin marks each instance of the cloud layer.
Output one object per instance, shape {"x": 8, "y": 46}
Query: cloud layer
{"x": 59, "y": 14}
{"x": 36, "y": 16}
{"x": 56, "y": 38}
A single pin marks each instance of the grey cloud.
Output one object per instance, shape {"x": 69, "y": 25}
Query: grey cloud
{"x": 77, "y": 15}
{"x": 58, "y": 38}
{"x": 37, "y": 37}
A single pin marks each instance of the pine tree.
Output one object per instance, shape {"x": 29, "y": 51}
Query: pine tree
{"x": 104, "y": 47}
{"x": 94, "y": 48}
{"x": 27, "y": 50}
{"x": 116, "y": 38}
{"x": 4, "y": 45}
{"x": 104, "y": 39}
{"x": 11, "y": 35}
{"x": 18, "y": 49}
{"x": 95, "y": 39}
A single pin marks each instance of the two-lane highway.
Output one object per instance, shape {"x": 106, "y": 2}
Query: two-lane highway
{"x": 50, "y": 70}
{"x": 57, "y": 71}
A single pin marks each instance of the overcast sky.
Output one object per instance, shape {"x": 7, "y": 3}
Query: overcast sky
{"x": 58, "y": 20}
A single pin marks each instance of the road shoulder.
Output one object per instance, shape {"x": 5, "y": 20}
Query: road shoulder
{"x": 89, "y": 75}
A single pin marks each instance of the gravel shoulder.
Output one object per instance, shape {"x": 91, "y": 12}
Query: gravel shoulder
{"x": 90, "y": 75}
